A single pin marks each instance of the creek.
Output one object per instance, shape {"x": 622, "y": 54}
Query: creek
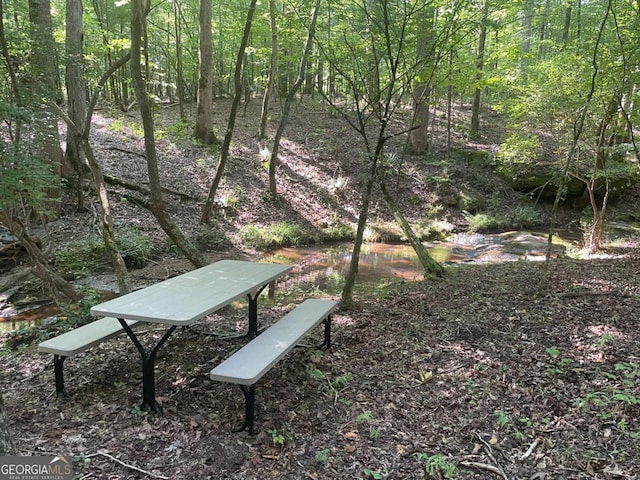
{"x": 325, "y": 267}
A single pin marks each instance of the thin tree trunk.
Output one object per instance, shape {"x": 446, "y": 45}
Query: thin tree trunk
{"x": 45, "y": 85}
{"x": 138, "y": 20}
{"x": 419, "y": 135}
{"x": 430, "y": 266}
{"x": 108, "y": 235}
{"x": 226, "y": 144}
{"x": 346, "y": 298}
{"x": 273, "y": 161}
{"x": 475, "y": 110}
{"x": 266, "y": 100}
{"x": 566, "y": 27}
{"x": 76, "y": 95}
{"x": 204, "y": 116}
{"x": 61, "y": 291}
{"x": 179, "y": 69}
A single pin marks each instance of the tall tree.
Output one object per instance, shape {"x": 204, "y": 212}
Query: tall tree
{"x": 139, "y": 11}
{"x": 76, "y": 94}
{"x": 204, "y": 117}
{"x": 482, "y": 39}
{"x": 44, "y": 86}
{"x": 386, "y": 28}
{"x": 177, "y": 25}
{"x": 273, "y": 69}
{"x": 425, "y": 52}
{"x": 304, "y": 59}
{"x": 207, "y": 210}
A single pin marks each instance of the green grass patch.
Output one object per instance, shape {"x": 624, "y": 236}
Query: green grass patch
{"x": 278, "y": 234}
{"x": 83, "y": 257}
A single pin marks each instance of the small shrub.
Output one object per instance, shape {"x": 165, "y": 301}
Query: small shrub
{"x": 525, "y": 217}
{"x": 482, "y": 222}
{"x": 279, "y": 234}
{"x": 88, "y": 255}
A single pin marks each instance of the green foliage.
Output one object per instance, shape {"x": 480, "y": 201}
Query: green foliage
{"x": 25, "y": 179}
{"x": 82, "y": 257}
{"x": 518, "y": 153}
{"x": 322, "y": 456}
{"x": 279, "y": 234}
{"x": 484, "y": 222}
{"x": 437, "y": 465}
{"x": 276, "y": 438}
{"x": 368, "y": 473}
{"x": 560, "y": 364}
{"x": 525, "y": 217}
{"x": 519, "y": 217}
{"x": 329, "y": 385}
{"x": 338, "y": 232}
{"x": 617, "y": 395}
{"x": 178, "y": 131}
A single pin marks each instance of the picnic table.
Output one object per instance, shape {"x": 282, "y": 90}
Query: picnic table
{"x": 182, "y": 300}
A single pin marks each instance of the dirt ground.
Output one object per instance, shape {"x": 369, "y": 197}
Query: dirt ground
{"x": 521, "y": 370}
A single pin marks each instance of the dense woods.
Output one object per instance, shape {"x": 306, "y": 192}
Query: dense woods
{"x": 560, "y": 78}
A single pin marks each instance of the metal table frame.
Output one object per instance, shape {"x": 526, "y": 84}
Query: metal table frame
{"x": 182, "y": 300}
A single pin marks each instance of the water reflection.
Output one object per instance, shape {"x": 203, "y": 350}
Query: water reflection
{"x": 326, "y": 267}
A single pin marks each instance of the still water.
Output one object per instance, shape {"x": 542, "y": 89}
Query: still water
{"x": 325, "y": 267}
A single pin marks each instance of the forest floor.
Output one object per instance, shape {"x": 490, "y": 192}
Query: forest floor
{"x": 517, "y": 370}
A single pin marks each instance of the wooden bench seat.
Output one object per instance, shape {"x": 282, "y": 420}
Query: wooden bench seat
{"x": 249, "y": 364}
{"x": 77, "y": 341}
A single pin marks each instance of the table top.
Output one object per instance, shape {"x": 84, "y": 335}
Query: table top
{"x": 183, "y": 299}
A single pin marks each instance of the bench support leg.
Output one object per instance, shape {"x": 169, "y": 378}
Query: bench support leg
{"x": 327, "y": 333}
{"x": 249, "y": 392}
{"x": 253, "y": 312}
{"x": 58, "y": 362}
{"x": 148, "y": 367}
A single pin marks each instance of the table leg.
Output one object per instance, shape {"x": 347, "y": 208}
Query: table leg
{"x": 253, "y": 313}
{"x": 148, "y": 367}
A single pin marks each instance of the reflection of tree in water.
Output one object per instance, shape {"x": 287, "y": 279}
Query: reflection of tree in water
{"x": 325, "y": 268}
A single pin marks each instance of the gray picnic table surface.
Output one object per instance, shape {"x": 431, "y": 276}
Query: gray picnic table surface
{"x": 184, "y": 299}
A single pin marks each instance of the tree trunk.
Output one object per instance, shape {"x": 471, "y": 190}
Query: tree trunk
{"x": 430, "y": 266}
{"x": 273, "y": 64}
{"x": 419, "y": 134}
{"x": 15, "y": 89}
{"x": 204, "y": 116}
{"x": 76, "y": 95}
{"x": 108, "y": 235}
{"x": 566, "y": 27}
{"x": 179, "y": 69}
{"x": 475, "y": 110}
{"x": 44, "y": 85}
{"x": 61, "y": 291}
{"x": 139, "y": 10}
{"x": 207, "y": 210}
{"x": 346, "y": 298}
{"x": 273, "y": 161}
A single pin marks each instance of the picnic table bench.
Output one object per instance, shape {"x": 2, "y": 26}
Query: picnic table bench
{"x": 77, "y": 341}
{"x": 177, "y": 301}
{"x": 249, "y": 364}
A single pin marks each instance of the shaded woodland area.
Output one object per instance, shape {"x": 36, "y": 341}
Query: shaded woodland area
{"x": 349, "y": 121}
